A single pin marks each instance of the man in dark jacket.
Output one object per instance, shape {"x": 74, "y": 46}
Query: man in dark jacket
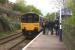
{"x": 57, "y": 26}
{"x": 51, "y": 26}
{"x": 43, "y": 26}
{"x": 47, "y": 27}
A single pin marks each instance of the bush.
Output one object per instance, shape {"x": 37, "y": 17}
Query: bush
{"x": 5, "y": 24}
{"x": 3, "y": 1}
{"x": 69, "y": 34}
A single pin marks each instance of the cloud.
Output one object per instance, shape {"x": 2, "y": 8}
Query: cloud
{"x": 44, "y": 5}
{"x": 13, "y": 1}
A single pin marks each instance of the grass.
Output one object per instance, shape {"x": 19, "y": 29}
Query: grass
{"x": 4, "y": 34}
{"x": 69, "y": 36}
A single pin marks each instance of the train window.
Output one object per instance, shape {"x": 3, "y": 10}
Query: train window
{"x": 30, "y": 18}
{"x": 35, "y": 18}
{"x": 23, "y": 19}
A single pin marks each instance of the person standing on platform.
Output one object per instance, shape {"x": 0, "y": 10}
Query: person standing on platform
{"x": 47, "y": 27}
{"x": 57, "y": 26}
{"x": 51, "y": 26}
{"x": 43, "y": 26}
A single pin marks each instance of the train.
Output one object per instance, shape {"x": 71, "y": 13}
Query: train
{"x": 31, "y": 24}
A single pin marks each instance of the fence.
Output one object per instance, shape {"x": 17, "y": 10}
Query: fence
{"x": 69, "y": 36}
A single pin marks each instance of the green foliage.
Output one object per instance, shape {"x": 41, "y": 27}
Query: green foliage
{"x": 3, "y": 34}
{"x": 50, "y": 16}
{"x": 14, "y": 26}
{"x": 71, "y": 4}
{"x": 14, "y": 22}
{"x": 69, "y": 36}
{"x": 19, "y": 7}
{"x": 6, "y": 34}
{"x": 31, "y": 8}
{"x": 3, "y": 1}
{"x": 69, "y": 27}
{"x": 7, "y": 27}
{"x": 26, "y": 8}
{"x": 5, "y": 24}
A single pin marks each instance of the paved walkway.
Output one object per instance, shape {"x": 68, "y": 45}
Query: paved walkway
{"x": 46, "y": 42}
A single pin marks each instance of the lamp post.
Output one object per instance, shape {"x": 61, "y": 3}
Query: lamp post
{"x": 60, "y": 26}
{"x": 60, "y": 18}
{"x": 60, "y": 22}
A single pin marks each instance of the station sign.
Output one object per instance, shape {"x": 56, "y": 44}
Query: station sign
{"x": 65, "y": 12}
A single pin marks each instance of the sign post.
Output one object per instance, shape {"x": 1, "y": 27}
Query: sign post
{"x": 60, "y": 26}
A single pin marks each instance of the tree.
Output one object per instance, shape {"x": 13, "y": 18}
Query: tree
{"x": 28, "y": 8}
{"x": 50, "y": 16}
{"x": 22, "y": 2}
{"x": 22, "y": 7}
{"x": 31, "y": 8}
{"x": 71, "y": 4}
{"x": 3, "y": 1}
{"x": 4, "y": 23}
{"x": 18, "y": 7}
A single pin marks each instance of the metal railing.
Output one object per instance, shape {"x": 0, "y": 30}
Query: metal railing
{"x": 69, "y": 36}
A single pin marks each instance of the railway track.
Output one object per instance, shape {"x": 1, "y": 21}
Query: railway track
{"x": 9, "y": 38}
{"x": 11, "y": 41}
{"x": 20, "y": 45}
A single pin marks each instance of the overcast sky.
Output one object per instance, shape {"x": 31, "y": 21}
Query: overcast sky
{"x": 44, "y": 5}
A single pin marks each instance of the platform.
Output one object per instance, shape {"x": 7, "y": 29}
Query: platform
{"x": 45, "y": 42}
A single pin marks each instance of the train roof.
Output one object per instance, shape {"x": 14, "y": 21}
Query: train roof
{"x": 30, "y": 13}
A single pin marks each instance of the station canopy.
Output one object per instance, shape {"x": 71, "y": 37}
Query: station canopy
{"x": 65, "y": 12}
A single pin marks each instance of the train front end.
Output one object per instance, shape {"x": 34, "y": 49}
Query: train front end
{"x": 30, "y": 24}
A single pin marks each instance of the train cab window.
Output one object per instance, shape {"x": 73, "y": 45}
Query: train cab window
{"x": 30, "y": 18}
{"x": 35, "y": 18}
{"x": 23, "y": 19}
